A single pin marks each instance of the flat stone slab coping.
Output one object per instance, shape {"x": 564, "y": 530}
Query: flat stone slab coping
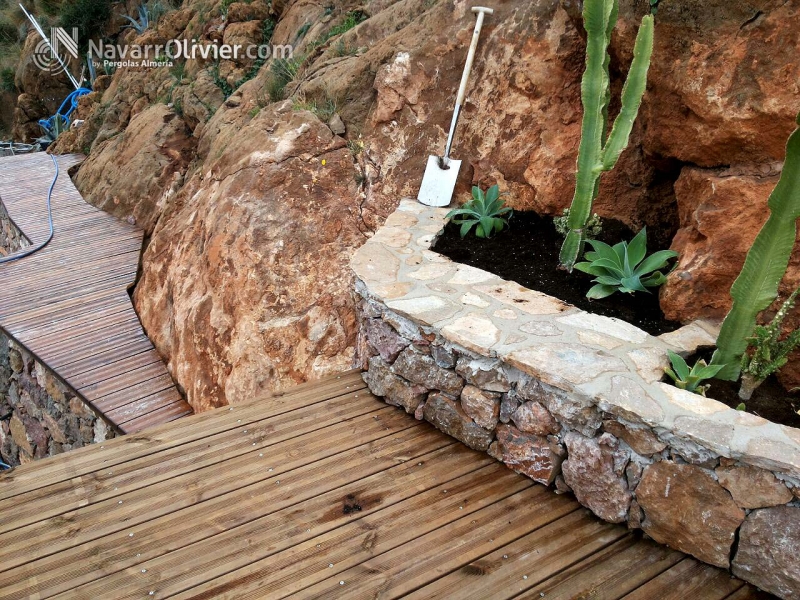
{"x": 604, "y": 361}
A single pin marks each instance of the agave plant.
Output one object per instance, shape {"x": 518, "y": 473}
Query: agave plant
{"x": 142, "y": 23}
{"x": 756, "y": 287}
{"x": 690, "y": 379}
{"x": 624, "y": 267}
{"x": 485, "y": 212}
{"x": 57, "y": 125}
{"x": 598, "y": 153}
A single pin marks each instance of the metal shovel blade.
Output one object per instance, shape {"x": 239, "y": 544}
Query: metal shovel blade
{"x": 438, "y": 184}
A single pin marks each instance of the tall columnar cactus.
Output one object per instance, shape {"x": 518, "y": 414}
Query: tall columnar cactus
{"x": 757, "y": 285}
{"x": 596, "y": 153}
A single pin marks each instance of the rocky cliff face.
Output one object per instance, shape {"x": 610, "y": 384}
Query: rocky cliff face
{"x": 255, "y": 203}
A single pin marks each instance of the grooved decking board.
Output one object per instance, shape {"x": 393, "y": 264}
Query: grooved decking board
{"x": 319, "y": 492}
{"x": 68, "y": 304}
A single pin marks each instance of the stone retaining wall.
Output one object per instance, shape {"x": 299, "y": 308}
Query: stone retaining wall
{"x": 11, "y": 238}
{"x": 39, "y": 415}
{"x": 575, "y": 401}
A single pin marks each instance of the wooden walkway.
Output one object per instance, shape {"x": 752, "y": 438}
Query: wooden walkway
{"x": 323, "y": 492}
{"x": 69, "y": 305}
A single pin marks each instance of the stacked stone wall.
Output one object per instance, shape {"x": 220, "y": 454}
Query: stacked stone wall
{"x": 39, "y": 415}
{"x": 11, "y": 238}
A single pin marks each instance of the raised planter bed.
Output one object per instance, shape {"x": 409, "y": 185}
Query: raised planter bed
{"x": 574, "y": 399}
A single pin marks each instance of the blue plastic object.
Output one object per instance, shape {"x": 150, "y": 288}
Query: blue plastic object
{"x": 64, "y": 111}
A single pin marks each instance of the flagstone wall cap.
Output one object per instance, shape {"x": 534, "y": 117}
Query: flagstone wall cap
{"x": 611, "y": 361}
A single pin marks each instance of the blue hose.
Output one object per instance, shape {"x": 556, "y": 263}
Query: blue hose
{"x": 40, "y": 245}
{"x": 65, "y": 110}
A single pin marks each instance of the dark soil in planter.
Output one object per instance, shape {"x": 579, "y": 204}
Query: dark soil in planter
{"x": 527, "y": 252}
{"x": 770, "y": 400}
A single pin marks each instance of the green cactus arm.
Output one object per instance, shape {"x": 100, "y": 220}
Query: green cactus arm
{"x": 612, "y": 21}
{"x": 757, "y": 285}
{"x": 594, "y": 92}
{"x": 632, "y": 93}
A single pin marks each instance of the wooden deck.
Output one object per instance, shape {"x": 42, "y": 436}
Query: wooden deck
{"x": 69, "y": 305}
{"x": 323, "y": 492}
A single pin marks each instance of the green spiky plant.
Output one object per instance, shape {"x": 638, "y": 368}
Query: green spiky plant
{"x": 688, "y": 379}
{"x": 485, "y": 212}
{"x": 769, "y": 352}
{"x": 598, "y": 153}
{"x": 756, "y": 287}
{"x": 624, "y": 267}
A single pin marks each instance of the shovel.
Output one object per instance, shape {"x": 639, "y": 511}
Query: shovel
{"x": 441, "y": 172}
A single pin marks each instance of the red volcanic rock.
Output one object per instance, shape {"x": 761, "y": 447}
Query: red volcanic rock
{"x": 159, "y": 143}
{"x": 245, "y": 285}
{"x": 721, "y": 212}
{"x": 531, "y": 455}
{"x": 687, "y": 509}
{"x": 593, "y": 472}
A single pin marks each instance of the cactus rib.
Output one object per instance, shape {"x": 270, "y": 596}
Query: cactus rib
{"x": 595, "y": 156}
{"x": 756, "y": 287}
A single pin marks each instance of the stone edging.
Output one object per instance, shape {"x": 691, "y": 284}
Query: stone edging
{"x": 605, "y": 361}
{"x": 39, "y": 415}
{"x": 574, "y": 399}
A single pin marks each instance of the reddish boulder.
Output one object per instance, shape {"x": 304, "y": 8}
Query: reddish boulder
{"x": 419, "y": 367}
{"x": 384, "y": 340}
{"x": 596, "y": 475}
{"x": 482, "y": 406}
{"x": 246, "y": 286}
{"x": 721, "y": 212}
{"x": 752, "y": 487}
{"x": 722, "y": 90}
{"x": 447, "y": 415}
{"x": 531, "y": 455}
{"x": 769, "y": 550}
{"x": 534, "y": 418}
{"x": 156, "y": 142}
{"x": 395, "y": 390}
{"x": 687, "y": 509}
{"x": 639, "y": 437}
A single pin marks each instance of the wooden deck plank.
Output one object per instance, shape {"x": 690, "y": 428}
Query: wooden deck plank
{"x": 80, "y": 321}
{"x": 164, "y": 414}
{"x": 687, "y": 579}
{"x": 112, "y": 370}
{"x": 429, "y": 557}
{"x": 141, "y": 369}
{"x": 609, "y": 574}
{"x": 297, "y": 568}
{"x": 148, "y": 470}
{"x": 116, "y": 511}
{"x": 748, "y": 592}
{"x": 49, "y": 301}
{"x": 60, "y": 309}
{"x": 223, "y": 520}
{"x": 526, "y": 561}
{"x": 199, "y": 427}
{"x": 100, "y": 359}
{"x": 341, "y": 496}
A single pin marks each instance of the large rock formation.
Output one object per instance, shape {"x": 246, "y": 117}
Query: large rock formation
{"x": 721, "y": 101}
{"x": 245, "y": 287}
{"x": 158, "y": 143}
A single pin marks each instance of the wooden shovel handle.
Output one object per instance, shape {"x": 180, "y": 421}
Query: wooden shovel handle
{"x": 462, "y": 89}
